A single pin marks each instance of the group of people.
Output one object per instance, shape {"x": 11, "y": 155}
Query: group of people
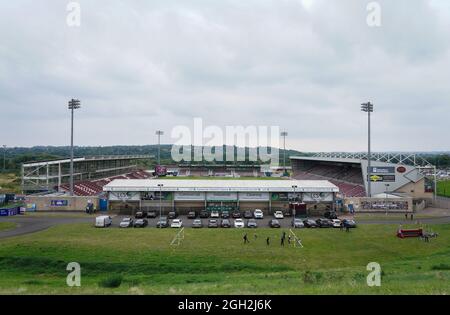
{"x": 268, "y": 240}
{"x": 412, "y": 216}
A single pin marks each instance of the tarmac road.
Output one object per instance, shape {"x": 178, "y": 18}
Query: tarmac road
{"x": 28, "y": 225}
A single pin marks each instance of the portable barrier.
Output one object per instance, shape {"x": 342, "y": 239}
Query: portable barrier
{"x": 409, "y": 233}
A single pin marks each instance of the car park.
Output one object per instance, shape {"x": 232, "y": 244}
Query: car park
{"x": 126, "y": 223}
{"x": 309, "y": 223}
{"x": 204, "y": 214}
{"x": 163, "y": 222}
{"x": 252, "y": 224}
{"x": 278, "y": 215}
{"x": 215, "y": 214}
{"x": 297, "y": 223}
{"x": 324, "y": 223}
{"x": 239, "y": 223}
{"x": 248, "y": 214}
{"x": 213, "y": 223}
{"x": 274, "y": 224}
{"x": 225, "y": 223}
{"x": 103, "y": 221}
{"x": 347, "y": 223}
{"x": 225, "y": 214}
{"x": 176, "y": 224}
{"x": 140, "y": 223}
{"x": 336, "y": 223}
{"x": 258, "y": 214}
{"x": 173, "y": 215}
{"x": 192, "y": 215}
{"x": 197, "y": 224}
{"x": 151, "y": 214}
{"x": 331, "y": 215}
{"x": 236, "y": 214}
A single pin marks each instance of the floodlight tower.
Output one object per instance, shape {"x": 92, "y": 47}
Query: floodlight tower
{"x": 159, "y": 133}
{"x": 73, "y": 105}
{"x": 284, "y": 134}
{"x": 4, "y": 158}
{"x": 368, "y": 108}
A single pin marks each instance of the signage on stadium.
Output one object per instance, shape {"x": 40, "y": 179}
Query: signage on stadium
{"x": 382, "y": 178}
{"x": 382, "y": 170}
{"x": 59, "y": 203}
{"x": 250, "y": 196}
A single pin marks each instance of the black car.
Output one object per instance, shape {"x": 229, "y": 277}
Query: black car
{"x": 309, "y": 223}
{"x": 204, "y": 214}
{"x": 274, "y": 224}
{"x": 140, "y": 215}
{"x": 252, "y": 224}
{"x": 324, "y": 223}
{"x": 173, "y": 215}
{"x": 248, "y": 214}
{"x": 213, "y": 223}
{"x": 236, "y": 214}
{"x": 140, "y": 223}
{"x": 351, "y": 224}
{"x": 225, "y": 223}
{"x": 192, "y": 215}
{"x": 162, "y": 223}
{"x": 332, "y": 215}
{"x": 151, "y": 214}
{"x": 225, "y": 214}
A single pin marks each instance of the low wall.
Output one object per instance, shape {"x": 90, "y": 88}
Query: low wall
{"x": 58, "y": 203}
{"x": 442, "y": 202}
{"x": 372, "y": 205}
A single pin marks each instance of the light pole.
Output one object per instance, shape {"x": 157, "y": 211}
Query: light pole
{"x": 368, "y": 108}
{"x": 159, "y": 133}
{"x": 73, "y": 104}
{"x": 386, "y": 200}
{"x": 294, "y": 211}
{"x": 284, "y": 134}
{"x": 4, "y": 158}
{"x": 160, "y": 203}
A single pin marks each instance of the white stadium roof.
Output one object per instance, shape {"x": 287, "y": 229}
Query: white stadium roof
{"x": 126, "y": 185}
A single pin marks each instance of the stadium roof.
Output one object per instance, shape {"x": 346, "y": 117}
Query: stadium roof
{"x": 88, "y": 159}
{"x": 124, "y": 185}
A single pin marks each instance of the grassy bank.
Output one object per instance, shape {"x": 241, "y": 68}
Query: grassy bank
{"x": 443, "y": 188}
{"x": 216, "y": 262}
{"x": 7, "y": 226}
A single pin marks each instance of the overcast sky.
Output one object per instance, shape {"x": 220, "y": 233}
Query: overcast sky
{"x": 304, "y": 65}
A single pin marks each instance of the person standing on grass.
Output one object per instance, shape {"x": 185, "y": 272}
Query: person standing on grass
{"x": 256, "y": 236}
{"x": 282, "y": 241}
{"x": 406, "y": 215}
{"x": 246, "y": 239}
{"x": 412, "y": 216}
{"x": 268, "y": 241}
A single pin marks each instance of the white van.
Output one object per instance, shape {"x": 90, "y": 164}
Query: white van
{"x": 103, "y": 221}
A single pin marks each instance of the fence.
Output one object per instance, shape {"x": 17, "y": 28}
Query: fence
{"x": 442, "y": 202}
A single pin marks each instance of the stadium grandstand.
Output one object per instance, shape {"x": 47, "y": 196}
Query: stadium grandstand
{"x": 219, "y": 170}
{"x": 401, "y": 174}
{"x": 90, "y": 174}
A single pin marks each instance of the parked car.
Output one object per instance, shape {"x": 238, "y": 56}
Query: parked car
{"x": 173, "y": 215}
{"x": 309, "y": 223}
{"x": 331, "y": 215}
{"x": 274, "y": 224}
{"x": 140, "y": 215}
{"x": 298, "y": 224}
{"x": 225, "y": 214}
{"x": 349, "y": 223}
{"x": 204, "y": 214}
{"x": 126, "y": 223}
{"x": 248, "y": 214}
{"x": 140, "y": 223}
{"x": 151, "y": 214}
{"x": 324, "y": 223}
{"x": 192, "y": 215}
{"x": 215, "y": 214}
{"x": 213, "y": 223}
{"x": 103, "y": 221}
{"x": 236, "y": 214}
{"x": 252, "y": 224}
{"x": 163, "y": 222}
{"x": 336, "y": 223}
{"x": 239, "y": 223}
{"x": 278, "y": 215}
{"x": 197, "y": 224}
{"x": 225, "y": 223}
{"x": 176, "y": 224}
{"x": 258, "y": 214}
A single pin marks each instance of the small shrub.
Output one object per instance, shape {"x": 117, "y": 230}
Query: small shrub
{"x": 441, "y": 267}
{"x": 111, "y": 282}
{"x": 32, "y": 282}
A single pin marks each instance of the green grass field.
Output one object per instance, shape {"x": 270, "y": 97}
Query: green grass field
{"x": 443, "y": 188}
{"x": 216, "y": 262}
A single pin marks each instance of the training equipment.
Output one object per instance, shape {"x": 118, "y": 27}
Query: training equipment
{"x": 296, "y": 241}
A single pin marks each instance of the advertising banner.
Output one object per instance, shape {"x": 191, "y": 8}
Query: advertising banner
{"x": 382, "y": 178}
{"x": 317, "y": 197}
{"x": 221, "y": 196}
{"x": 59, "y": 203}
{"x": 125, "y": 196}
{"x": 382, "y": 170}
{"x": 254, "y": 196}
{"x": 189, "y": 196}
